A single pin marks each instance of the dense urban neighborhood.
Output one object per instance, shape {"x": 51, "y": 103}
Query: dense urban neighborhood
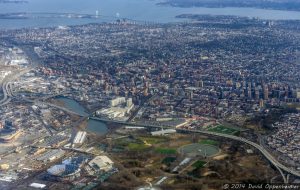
{"x": 133, "y": 105}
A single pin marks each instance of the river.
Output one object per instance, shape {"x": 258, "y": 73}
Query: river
{"x": 143, "y": 10}
{"x": 93, "y": 126}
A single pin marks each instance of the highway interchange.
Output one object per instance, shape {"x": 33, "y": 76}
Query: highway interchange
{"x": 6, "y": 85}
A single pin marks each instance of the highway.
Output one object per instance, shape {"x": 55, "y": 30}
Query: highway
{"x": 6, "y": 83}
{"x": 257, "y": 146}
{"x": 127, "y": 123}
{"x": 5, "y": 100}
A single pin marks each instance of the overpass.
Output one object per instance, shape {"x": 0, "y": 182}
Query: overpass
{"x": 267, "y": 155}
{"x": 6, "y": 86}
{"x": 48, "y": 96}
{"x": 66, "y": 149}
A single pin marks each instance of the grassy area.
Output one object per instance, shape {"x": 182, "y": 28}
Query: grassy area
{"x": 166, "y": 150}
{"x": 136, "y": 147}
{"x": 209, "y": 142}
{"x": 224, "y": 130}
{"x": 153, "y": 140}
{"x": 199, "y": 164}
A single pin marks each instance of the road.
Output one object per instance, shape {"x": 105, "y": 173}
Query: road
{"x": 257, "y": 146}
{"x": 6, "y": 86}
{"x": 140, "y": 107}
{"x": 127, "y": 123}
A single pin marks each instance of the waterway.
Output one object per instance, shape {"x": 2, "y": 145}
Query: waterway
{"x": 143, "y": 10}
{"x": 73, "y": 105}
{"x": 93, "y": 126}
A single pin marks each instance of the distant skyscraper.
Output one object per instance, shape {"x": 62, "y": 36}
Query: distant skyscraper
{"x": 199, "y": 84}
{"x": 249, "y": 93}
{"x": 261, "y": 103}
{"x": 298, "y": 94}
{"x": 266, "y": 93}
{"x": 238, "y": 85}
{"x": 97, "y": 14}
{"x": 256, "y": 93}
{"x": 129, "y": 102}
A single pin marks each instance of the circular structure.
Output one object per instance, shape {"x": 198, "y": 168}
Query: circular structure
{"x": 197, "y": 149}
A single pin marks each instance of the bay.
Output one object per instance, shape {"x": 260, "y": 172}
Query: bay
{"x": 140, "y": 10}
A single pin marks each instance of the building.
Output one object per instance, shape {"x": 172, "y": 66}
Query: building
{"x": 163, "y": 132}
{"x": 129, "y": 102}
{"x": 261, "y": 103}
{"x": 51, "y": 155}
{"x": 8, "y": 132}
{"x": 120, "y": 108}
{"x": 298, "y": 94}
{"x": 101, "y": 163}
{"x": 79, "y": 138}
{"x": 37, "y": 185}
{"x": 266, "y": 93}
{"x": 117, "y": 101}
{"x": 69, "y": 169}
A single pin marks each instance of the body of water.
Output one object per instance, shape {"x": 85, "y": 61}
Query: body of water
{"x": 93, "y": 126}
{"x": 73, "y": 105}
{"x": 141, "y": 10}
{"x": 97, "y": 127}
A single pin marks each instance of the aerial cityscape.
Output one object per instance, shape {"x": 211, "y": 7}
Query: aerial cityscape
{"x": 203, "y": 102}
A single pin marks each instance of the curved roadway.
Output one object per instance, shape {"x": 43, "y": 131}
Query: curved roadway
{"x": 6, "y": 86}
{"x": 257, "y": 146}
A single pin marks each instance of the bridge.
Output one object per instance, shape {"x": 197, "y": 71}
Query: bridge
{"x": 127, "y": 123}
{"x": 95, "y": 118}
{"x": 66, "y": 149}
{"x": 267, "y": 155}
{"x": 48, "y": 96}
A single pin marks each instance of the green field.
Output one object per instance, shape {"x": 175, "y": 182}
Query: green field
{"x": 209, "y": 141}
{"x": 224, "y": 130}
{"x": 199, "y": 164}
{"x": 165, "y": 150}
{"x": 197, "y": 149}
{"x": 153, "y": 140}
{"x": 136, "y": 147}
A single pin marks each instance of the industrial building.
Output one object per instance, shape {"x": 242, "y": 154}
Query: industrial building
{"x": 8, "y": 132}
{"x": 51, "y": 155}
{"x": 79, "y": 138}
{"x": 69, "y": 169}
{"x": 163, "y": 132}
{"x": 101, "y": 163}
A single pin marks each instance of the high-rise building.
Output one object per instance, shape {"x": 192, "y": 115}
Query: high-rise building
{"x": 238, "y": 85}
{"x": 117, "y": 101}
{"x": 199, "y": 84}
{"x": 249, "y": 93}
{"x": 266, "y": 93}
{"x": 256, "y": 93}
{"x": 261, "y": 103}
{"x": 298, "y": 94}
{"x": 129, "y": 102}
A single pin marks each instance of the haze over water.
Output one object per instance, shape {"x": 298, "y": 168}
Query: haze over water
{"x": 142, "y": 10}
